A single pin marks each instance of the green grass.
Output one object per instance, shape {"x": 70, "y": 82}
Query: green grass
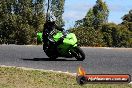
{"x": 11, "y": 77}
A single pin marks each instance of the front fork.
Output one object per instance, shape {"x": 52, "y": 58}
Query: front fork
{"x": 73, "y": 51}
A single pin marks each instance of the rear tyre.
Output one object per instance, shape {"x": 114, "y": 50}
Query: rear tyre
{"x": 79, "y": 54}
{"x": 51, "y": 55}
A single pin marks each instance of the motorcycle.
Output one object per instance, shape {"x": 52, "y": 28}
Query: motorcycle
{"x": 68, "y": 48}
{"x": 53, "y": 48}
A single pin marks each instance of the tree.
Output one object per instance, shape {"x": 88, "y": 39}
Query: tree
{"x": 128, "y": 17}
{"x": 89, "y": 19}
{"x": 96, "y": 16}
{"x": 57, "y": 9}
{"x": 79, "y": 23}
{"x": 101, "y": 13}
{"x": 38, "y": 15}
{"x": 116, "y": 35}
{"x": 7, "y": 20}
{"x": 88, "y": 36}
{"x": 20, "y": 20}
{"x": 127, "y": 20}
{"x": 38, "y": 18}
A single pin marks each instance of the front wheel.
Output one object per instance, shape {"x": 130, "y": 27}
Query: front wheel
{"x": 79, "y": 54}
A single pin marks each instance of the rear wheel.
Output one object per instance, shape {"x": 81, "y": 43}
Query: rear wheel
{"x": 52, "y": 57}
{"x": 51, "y": 54}
{"x": 79, "y": 54}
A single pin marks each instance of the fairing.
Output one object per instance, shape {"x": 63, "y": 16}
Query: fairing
{"x": 70, "y": 38}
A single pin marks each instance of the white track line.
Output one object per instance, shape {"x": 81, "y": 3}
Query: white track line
{"x": 130, "y": 82}
{"x": 25, "y": 68}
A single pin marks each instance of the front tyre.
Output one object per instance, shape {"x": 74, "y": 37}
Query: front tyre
{"x": 79, "y": 54}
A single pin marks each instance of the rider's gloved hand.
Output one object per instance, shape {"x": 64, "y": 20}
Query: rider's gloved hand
{"x": 60, "y": 28}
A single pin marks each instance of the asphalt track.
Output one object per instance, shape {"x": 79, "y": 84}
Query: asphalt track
{"x": 98, "y": 60}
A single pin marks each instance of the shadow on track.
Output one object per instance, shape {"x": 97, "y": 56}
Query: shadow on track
{"x": 45, "y": 59}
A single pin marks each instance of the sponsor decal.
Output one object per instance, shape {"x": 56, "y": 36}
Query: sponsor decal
{"x": 83, "y": 78}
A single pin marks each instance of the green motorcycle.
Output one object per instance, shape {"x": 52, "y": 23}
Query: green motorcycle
{"x": 68, "y": 48}
{"x": 51, "y": 42}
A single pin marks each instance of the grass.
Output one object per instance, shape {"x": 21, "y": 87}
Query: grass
{"x": 11, "y": 77}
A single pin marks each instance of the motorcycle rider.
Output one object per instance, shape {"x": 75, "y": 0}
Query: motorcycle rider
{"x": 50, "y": 29}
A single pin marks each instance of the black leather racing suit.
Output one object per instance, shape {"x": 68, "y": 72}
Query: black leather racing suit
{"x": 48, "y": 32}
